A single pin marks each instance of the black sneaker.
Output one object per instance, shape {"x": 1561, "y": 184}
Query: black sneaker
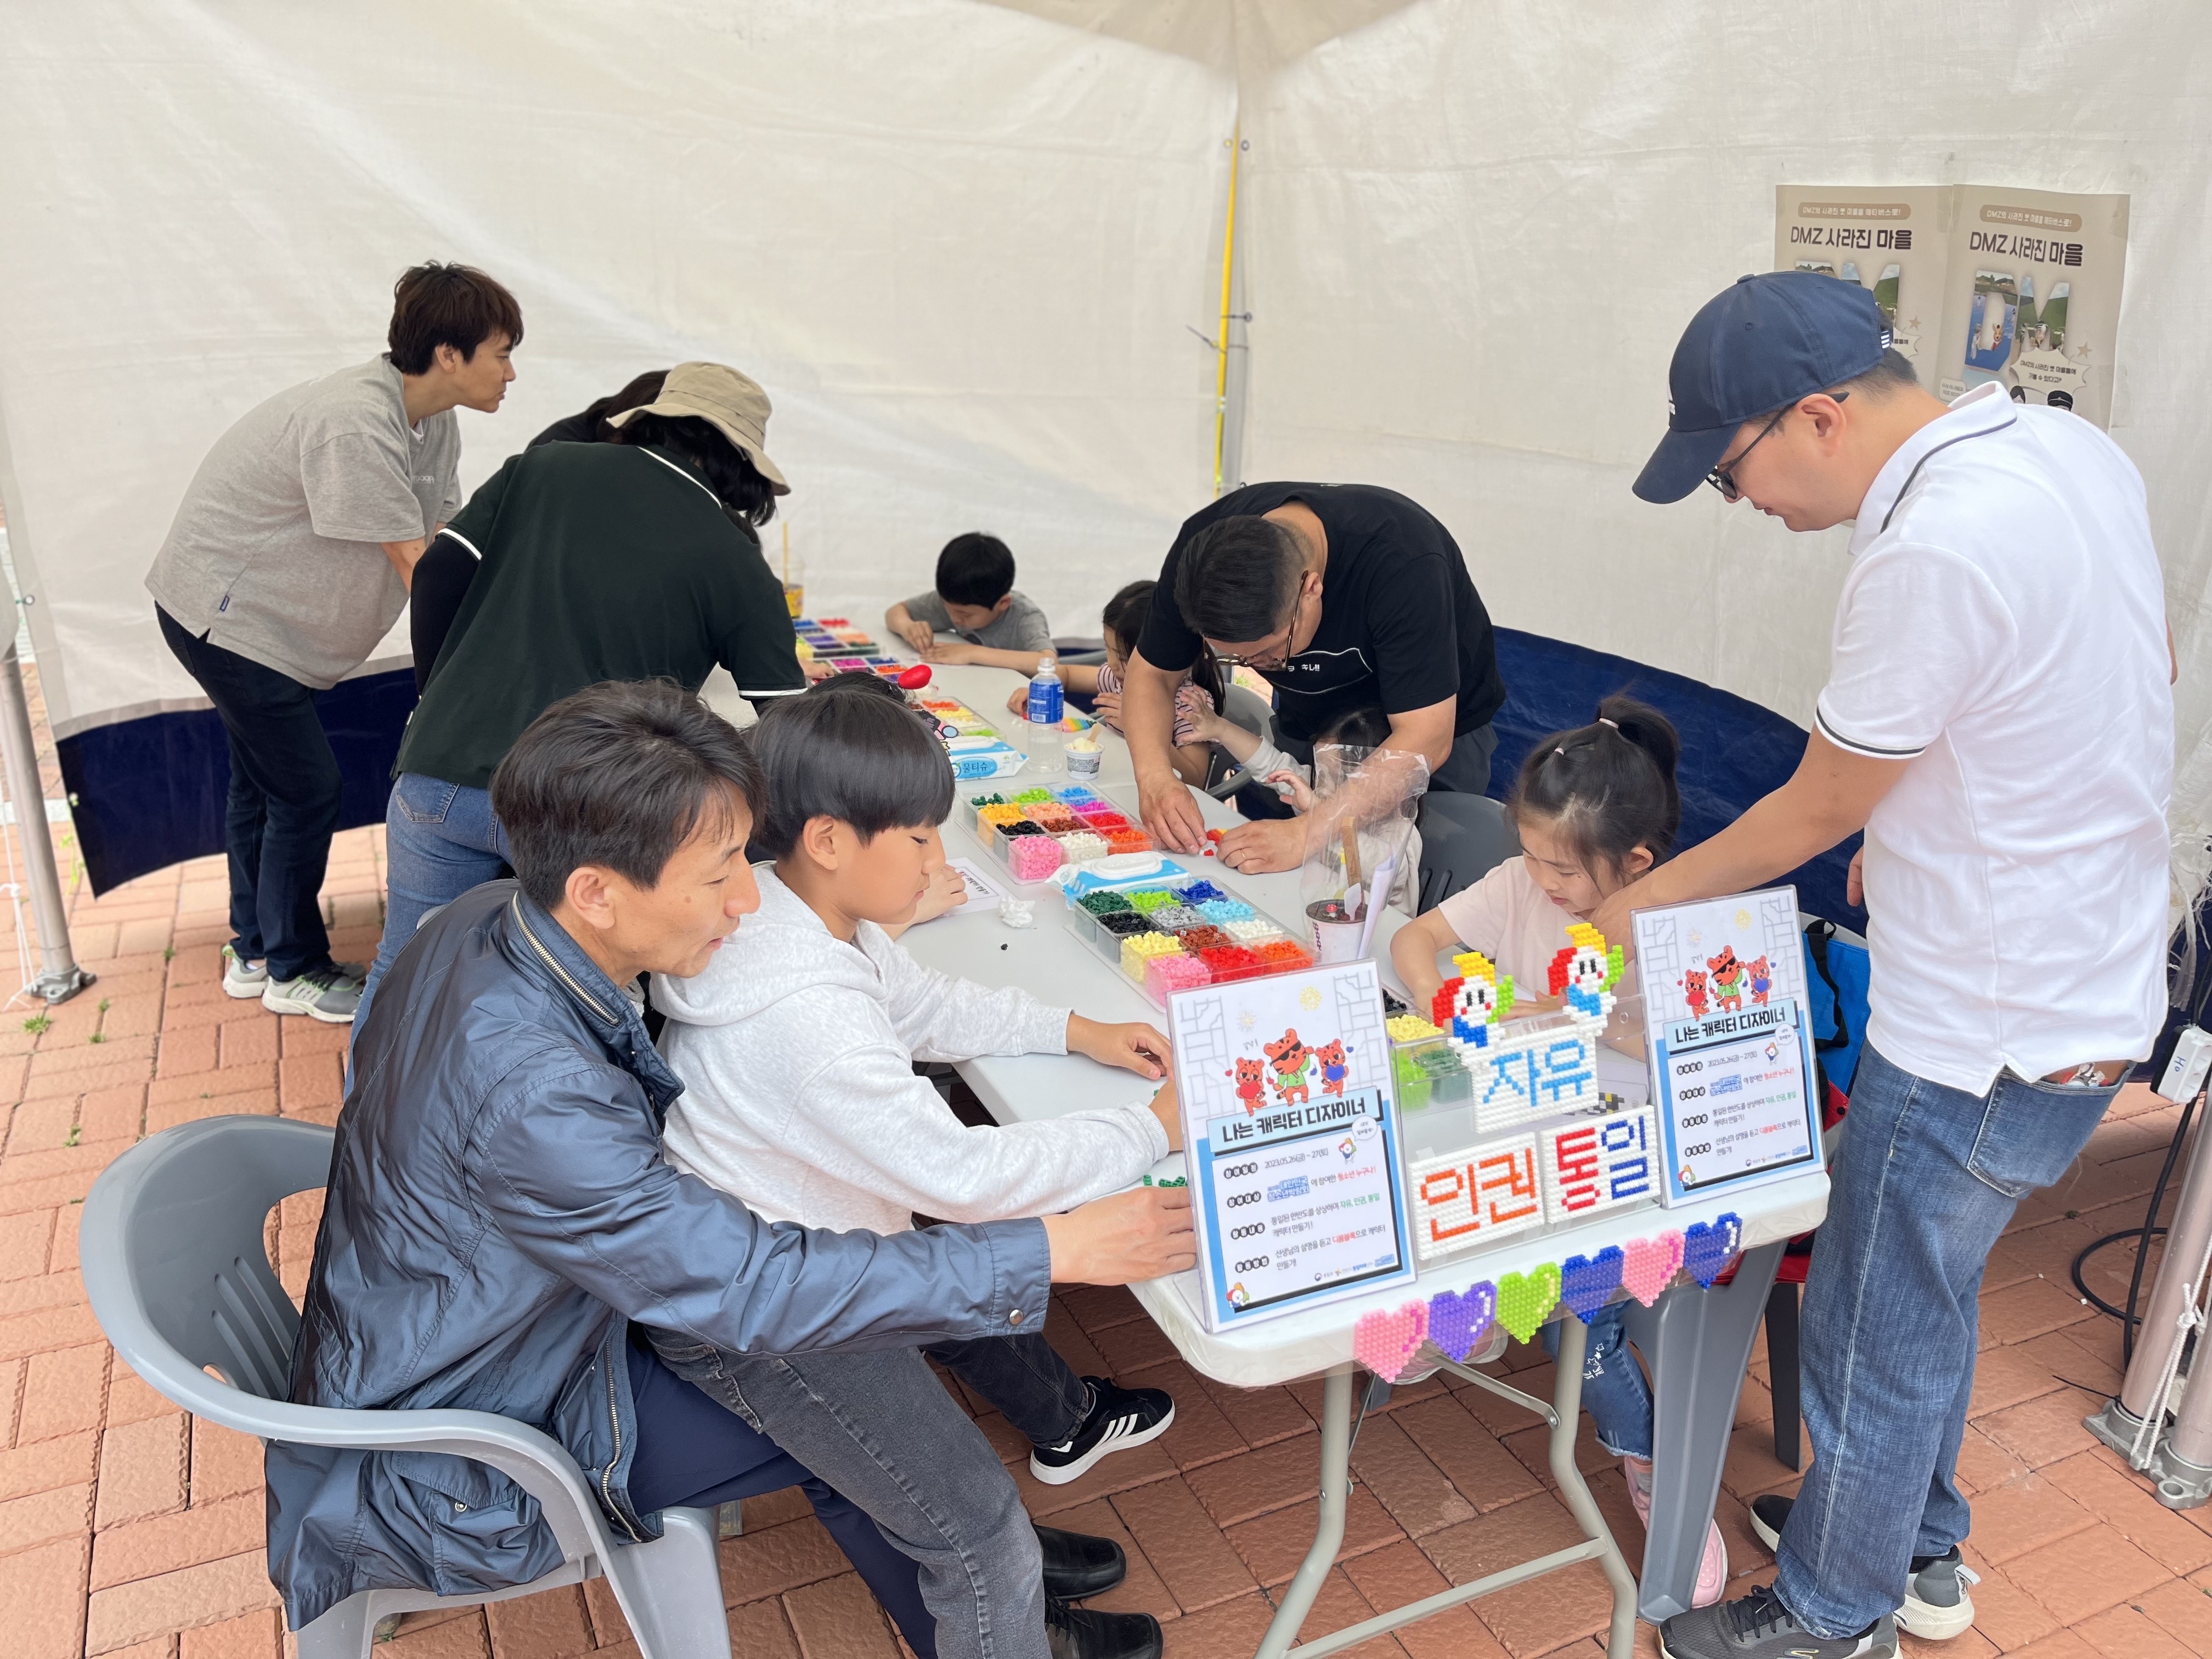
{"x": 1757, "y": 1626}
{"x": 1936, "y": 1605}
{"x": 1071, "y": 1633}
{"x": 1077, "y": 1564}
{"x": 1118, "y": 1418}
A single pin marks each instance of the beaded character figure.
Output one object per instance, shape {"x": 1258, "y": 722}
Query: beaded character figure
{"x": 1468, "y": 1007}
{"x": 1583, "y": 975}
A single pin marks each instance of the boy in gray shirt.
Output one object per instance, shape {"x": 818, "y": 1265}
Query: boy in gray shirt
{"x": 289, "y": 559}
{"x": 975, "y": 597}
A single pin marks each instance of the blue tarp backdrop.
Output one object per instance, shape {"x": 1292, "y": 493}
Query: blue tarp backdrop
{"x": 149, "y": 792}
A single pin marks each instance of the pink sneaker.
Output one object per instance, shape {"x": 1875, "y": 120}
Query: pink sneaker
{"x": 1712, "y": 1570}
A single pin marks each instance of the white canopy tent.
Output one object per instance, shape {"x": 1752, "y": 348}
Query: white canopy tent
{"x": 968, "y": 247}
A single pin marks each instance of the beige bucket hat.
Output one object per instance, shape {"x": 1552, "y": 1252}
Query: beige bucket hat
{"x": 731, "y": 403}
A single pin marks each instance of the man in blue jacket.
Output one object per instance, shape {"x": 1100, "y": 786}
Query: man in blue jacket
{"x": 499, "y": 1214}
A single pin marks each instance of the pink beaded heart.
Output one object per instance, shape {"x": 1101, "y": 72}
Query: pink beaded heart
{"x": 1386, "y": 1340}
{"x": 1651, "y": 1265}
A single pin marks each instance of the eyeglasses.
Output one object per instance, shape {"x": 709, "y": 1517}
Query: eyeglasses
{"x": 1274, "y": 657}
{"x": 1722, "y": 477}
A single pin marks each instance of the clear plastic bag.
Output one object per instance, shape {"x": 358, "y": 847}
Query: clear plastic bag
{"x": 1359, "y": 836}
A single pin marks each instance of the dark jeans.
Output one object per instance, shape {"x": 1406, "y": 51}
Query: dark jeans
{"x": 887, "y": 1433}
{"x": 284, "y": 806}
{"x": 693, "y": 1453}
{"x": 1025, "y": 1377}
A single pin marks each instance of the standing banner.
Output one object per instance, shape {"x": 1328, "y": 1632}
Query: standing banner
{"x": 1896, "y": 241}
{"x": 1980, "y": 284}
{"x": 2033, "y": 299}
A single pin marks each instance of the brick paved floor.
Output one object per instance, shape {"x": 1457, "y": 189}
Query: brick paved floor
{"x": 127, "y": 1530}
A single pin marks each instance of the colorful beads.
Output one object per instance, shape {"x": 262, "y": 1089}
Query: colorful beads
{"x": 1139, "y": 949}
{"x": 1122, "y": 923}
{"x": 1027, "y": 796}
{"x": 1224, "y": 910}
{"x": 1174, "y": 918}
{"x": 1000, "y": 812}
{"x": 1127, "y": 840}
{"x": 1201, "y": 939}
{"x": 1011, "y": 831}
{"x": 1083, "y": 847}
{"x": 1283, "y": 955}
{"x": 1198, "y": 892}
{"x": 1409, "y": 1028}
{"x": 1149, "y": 899}
{"x": 1033, "y": 858}
{"x": 1250, "y": 929}
{"x": 1166, "y": 974}
{"x": 1104, "y": 904}
{"x": 1231, "y": 962}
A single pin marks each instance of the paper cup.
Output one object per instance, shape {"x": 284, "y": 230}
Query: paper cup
{"x": 1084, "y": 764}
{"x": 1335, "y": 931}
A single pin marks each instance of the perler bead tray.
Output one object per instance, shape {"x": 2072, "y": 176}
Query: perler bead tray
{"x": 1175, "y": 937}
{"x": 1033, "y": 832}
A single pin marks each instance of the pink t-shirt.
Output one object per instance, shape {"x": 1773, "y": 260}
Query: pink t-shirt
{"x": 1506, "y": 916}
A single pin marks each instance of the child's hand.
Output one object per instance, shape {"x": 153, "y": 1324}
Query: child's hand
{"x": 1107, "y": 705}
{"x": 1294, "y": 789}
{"x": 1165, "y": 1109}
{"x": 1017, "y": 700}
{"x": 1135, "y": 1047}
{"x": 954, "y": 653}
{"x": 918, "y": 634}
{"x": 948, "y": 890}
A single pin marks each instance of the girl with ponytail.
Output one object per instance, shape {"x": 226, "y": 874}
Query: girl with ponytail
{"x": 1594, "y": 808}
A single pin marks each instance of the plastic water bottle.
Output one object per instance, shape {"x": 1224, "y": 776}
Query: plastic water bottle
{"x": 1046, "y": 706}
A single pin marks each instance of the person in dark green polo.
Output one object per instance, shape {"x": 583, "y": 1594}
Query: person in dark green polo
{"x": 579, "y": 562}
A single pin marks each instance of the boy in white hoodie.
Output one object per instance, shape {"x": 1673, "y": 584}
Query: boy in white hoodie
{"x": 797, "y": 1045}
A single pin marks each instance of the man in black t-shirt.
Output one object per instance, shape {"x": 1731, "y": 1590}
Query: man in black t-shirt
{"x": 1344, "y": 596}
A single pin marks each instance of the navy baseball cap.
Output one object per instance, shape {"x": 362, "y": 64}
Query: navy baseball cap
{"x": 1753, "y": 349}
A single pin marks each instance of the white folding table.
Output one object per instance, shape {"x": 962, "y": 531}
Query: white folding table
{"x": 1696, "y": 1342}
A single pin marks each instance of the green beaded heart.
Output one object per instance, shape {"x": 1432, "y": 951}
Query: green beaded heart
{"x": 1523, "y": 1299}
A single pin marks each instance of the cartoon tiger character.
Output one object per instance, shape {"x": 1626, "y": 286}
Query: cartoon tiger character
{"x": 1693, "y": 993}
{"x": 1293, "y": 1062}
{"x": 1728, "y": 979}
{"x": 1762, "y": 980}
{"x": 1247, "y": 1084}
{"x": 1334, "y": 1068}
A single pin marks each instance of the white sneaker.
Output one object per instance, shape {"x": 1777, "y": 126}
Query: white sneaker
{"x": 329, "y": 994}
{"x": 240, "y": 978}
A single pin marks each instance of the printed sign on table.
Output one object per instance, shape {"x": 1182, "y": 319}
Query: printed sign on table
{"x": 1732, "y": 1073}
{"x": 1290, "y": 1133}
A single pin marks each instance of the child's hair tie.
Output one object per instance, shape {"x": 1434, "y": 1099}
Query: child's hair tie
{"x": 1601, "y": 720}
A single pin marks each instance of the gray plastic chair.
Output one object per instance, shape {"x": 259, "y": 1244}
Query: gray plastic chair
{"x": 1463, "y": 839}
{"x": 178, "y": 1279}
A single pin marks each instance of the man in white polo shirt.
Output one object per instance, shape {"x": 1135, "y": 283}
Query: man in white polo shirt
{"x": 1999, "y": 719}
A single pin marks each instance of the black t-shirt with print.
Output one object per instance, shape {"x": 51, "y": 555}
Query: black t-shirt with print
{"x": 1401, "y": 625}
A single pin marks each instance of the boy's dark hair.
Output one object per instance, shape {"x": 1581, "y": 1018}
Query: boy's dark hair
{"x": 1238, "y": 578}
{"x": 849, "y": 748}
{"x": 1125, "y": 617}
{"x": 434, "y": 305}
{"x": 619, "y": 775}
{"x": 729, "y": 471}
{"x": 1609, "y": 787}
{"x": 974, "y": 570}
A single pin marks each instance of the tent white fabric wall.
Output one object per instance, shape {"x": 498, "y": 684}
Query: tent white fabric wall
{"x": 960, "y": 246}
{"x": 963, "y": 243}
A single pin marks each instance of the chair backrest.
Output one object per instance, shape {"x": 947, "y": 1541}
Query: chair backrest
{"x": 174, "y": 1263}
{"x": 1247, "y": 709}
{"x": 1463, "y": 839}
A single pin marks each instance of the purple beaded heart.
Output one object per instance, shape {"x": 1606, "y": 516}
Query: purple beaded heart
{"x": 1457, "y": 1319}
{"x": 1708, "y": 1247}
{"x": 1586, "y": 1283}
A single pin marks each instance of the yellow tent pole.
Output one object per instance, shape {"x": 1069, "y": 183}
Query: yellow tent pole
{"x": 1221, "y": 342}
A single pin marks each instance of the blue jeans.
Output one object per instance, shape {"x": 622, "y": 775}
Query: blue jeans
{"x": 1925, "y": 1181}
{"x": 1614, "y": 1390}
{"x": 440, "y": 840}
{"x": 881, "y": 1430}
{"x": 286, "y": 793}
